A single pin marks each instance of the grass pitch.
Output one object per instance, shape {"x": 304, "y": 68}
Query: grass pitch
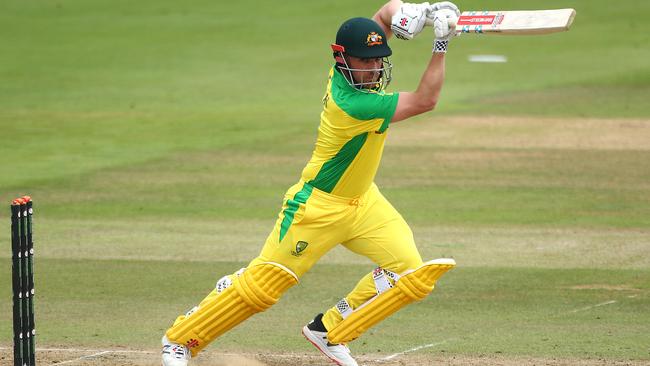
{"x": 158, "y": 138}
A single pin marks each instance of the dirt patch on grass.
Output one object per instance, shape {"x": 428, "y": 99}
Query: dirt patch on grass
{"x": 525, "y": 132}
{"x": 474, "y": 151}
{"x": 124, "y": 357}
{"x": 606, "y": 287}
{"x": 536, "y": 247}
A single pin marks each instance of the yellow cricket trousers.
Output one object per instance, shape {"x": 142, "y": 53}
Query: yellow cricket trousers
{"x": 312, "y": 222}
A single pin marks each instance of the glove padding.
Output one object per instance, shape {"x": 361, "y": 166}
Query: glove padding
{"x": 444, "y": 24}
{"x": 443, "y": 5}
{"x": 444, "y": 27}
{"x": 409, "y": 20}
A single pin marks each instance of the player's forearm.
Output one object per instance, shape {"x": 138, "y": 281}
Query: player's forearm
{"x": 385, "y": 13}
{"x": 425, "y": 97}
{"x": 428, "y": 90}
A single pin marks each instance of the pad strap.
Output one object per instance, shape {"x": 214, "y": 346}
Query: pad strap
{"x": 344, "y": 308}
{"x": 384, "y": 279}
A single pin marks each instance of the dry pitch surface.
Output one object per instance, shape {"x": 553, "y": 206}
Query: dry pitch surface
{"x": 124, "y": 357}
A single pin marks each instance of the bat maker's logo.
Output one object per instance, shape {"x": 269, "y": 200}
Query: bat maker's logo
{"x": 374, "y": 39}
{"x": 476, "y": 19}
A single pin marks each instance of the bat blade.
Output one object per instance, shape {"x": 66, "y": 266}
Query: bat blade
{"x": 516, "y": 21}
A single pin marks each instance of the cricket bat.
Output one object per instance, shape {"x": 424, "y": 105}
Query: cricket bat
{"x": 515, "y": 21}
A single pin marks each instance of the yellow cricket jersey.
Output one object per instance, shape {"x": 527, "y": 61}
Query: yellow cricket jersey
{"x": 351, "y": 138}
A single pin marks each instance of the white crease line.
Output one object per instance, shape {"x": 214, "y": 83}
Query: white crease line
{"x": 82, "y": 358}
{"x": 98, "y": 352}
{"x": 593, "y": 306}
{"x": 83, "y": 350}
{"x": 388, "y": 358}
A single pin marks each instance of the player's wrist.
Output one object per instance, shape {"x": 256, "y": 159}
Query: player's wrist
{"x": 440, "y": 46}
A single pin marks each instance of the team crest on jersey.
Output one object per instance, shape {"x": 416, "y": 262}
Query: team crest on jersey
{"x": 300, "y": 247}
{"x": 374, "y": 39}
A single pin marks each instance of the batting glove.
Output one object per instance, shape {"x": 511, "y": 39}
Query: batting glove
{"x": 444, "y": 27}
{"x": 443, "y": 5}
{"x": 409, "y": 20}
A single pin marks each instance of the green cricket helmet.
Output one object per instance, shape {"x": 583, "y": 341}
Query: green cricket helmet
{"x": 363, "y": 38}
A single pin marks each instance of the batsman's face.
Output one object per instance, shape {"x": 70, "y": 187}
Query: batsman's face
{"x": 372, "y": 65}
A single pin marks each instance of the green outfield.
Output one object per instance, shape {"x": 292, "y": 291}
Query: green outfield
{"x": 157, "y": 139}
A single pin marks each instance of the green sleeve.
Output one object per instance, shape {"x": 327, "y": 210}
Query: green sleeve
{"x": 368, "y": 106}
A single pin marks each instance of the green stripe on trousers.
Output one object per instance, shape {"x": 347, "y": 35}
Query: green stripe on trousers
{"x": 292, "y": 207}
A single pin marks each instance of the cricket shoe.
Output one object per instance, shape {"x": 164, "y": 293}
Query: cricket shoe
{"x": 316, "y": 333}
{"x": 174, "y": 354}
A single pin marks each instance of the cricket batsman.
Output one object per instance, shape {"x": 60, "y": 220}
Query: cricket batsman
{"x": 336, "y": 202}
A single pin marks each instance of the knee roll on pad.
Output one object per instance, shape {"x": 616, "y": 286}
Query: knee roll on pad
{"x": 412, "y": 286}
{"x": 256, "y": 289}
